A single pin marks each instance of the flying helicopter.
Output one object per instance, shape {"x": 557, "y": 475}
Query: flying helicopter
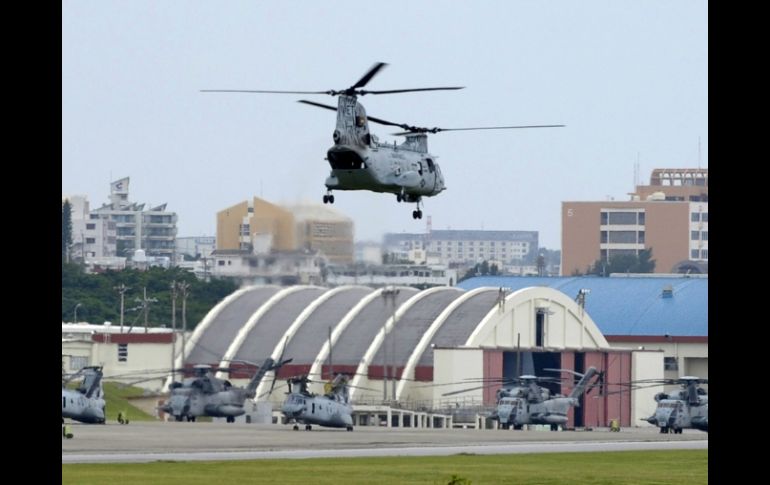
{"x": 86, "y": 403}
{"x": 687, "y": 407}
{"x": 332, "y": 409}
{"x": 359, "y": 161}
{"x": 206, "y": 395}
{"x": 525, "y": 402}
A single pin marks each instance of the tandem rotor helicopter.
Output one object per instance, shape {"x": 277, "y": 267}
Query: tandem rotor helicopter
{"x": 359, "y": 161}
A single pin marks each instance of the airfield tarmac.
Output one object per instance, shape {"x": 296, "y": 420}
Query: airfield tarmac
{"x": 151, "y": 441}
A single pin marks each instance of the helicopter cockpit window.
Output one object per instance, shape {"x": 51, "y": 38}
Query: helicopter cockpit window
{"x": 430, "y": 164}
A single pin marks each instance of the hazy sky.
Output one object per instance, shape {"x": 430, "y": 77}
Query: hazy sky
{"x": 628, "y": 78}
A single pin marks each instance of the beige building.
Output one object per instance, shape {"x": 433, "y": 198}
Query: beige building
{"x": 669, "y": 216}
{"x": 260, "y": 227}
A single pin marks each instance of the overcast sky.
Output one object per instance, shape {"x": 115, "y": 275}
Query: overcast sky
{"x": 628, "y": 78}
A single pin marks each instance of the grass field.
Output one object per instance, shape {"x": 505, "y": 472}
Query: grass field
{"x": 680, "y": 467}
{"x": 116, "y": 401}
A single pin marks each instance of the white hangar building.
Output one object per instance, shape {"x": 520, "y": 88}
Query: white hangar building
{"x": 441, "y": 336}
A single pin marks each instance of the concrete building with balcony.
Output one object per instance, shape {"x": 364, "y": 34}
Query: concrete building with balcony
{"x": 153, "y": 230}
{"x": 465, "y": 246}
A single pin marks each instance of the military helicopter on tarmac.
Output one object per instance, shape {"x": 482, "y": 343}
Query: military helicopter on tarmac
{"x": 86, "y": 403}
{"x": 359, "y": 161}
{"x": 206, "y": 395}
{"x": 684, "y": 408}
{"x": 332, "y": 409}
{"x": 526, "y": 402}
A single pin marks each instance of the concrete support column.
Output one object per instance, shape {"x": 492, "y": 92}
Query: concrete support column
{"x": 390, "y": 418}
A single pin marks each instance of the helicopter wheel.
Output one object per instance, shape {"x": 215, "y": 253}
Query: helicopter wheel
{"x": 296, "y": 428}
{"x": 308, "y": 427}
{"x": 398, "y": 198}
{"x": 349, "y": 428}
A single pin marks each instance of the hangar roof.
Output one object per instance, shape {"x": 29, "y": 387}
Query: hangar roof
{"x": 623, "y": 305}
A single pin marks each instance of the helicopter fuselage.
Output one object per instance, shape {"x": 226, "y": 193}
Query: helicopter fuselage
{"x": 77, "y": 406}
{"x": 329, "y": 411}
{"x": 677, "y": 414}
{"x": 360, "y": 162}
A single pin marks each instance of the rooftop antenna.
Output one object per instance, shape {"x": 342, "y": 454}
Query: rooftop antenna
{"x": 698, "y": 153}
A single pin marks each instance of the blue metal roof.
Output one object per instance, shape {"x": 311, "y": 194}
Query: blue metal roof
{"x": 626, "y": 306}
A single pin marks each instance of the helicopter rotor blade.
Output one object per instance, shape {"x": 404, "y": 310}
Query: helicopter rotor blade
{"x": 410, "y": 90}
{"x": 416, "y": 129}
{"x": 468, "y": 390}
{"x": 373, "y": 71}
{"x": 370, "y": 118}
{"x": 264, "y": 91}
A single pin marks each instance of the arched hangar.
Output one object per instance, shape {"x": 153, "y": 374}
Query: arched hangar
{"x": 431, "y": 340}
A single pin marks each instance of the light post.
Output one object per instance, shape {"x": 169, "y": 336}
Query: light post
{"x": 390, "y": 293}
{"x": 75, "y": 313}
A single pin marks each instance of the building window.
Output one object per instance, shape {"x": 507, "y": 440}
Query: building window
{"x": 641, "y": 218}
{"x": 622, "y": 237}
{"x": 694, "y": 254}
{"x": 670, "y": 363}
{"x": 695, "y": 217}
{"x": 90, "y": 227}
{"x": 704, "y": 254}
{"x": 221, "y": 262}
{"x": 603, "y": 220}
{"x": 694, "y": 235}
{"x": 704, "y": 236}
{"x": 704, "y": 217}
{"x": 622, "y": 218}
{"x": 90, "y": 240}
{"x": 640, "y": 237}
{"x": 122, "y": 352}
{"x": 604, "y": 237}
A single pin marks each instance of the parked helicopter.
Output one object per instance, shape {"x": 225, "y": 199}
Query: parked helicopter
{"x": 206, "y": 395}
{"x": 685, "y": 408}
{"x": 332, "y": 409}
{"x": 360, "y": 162}
{"x": 86, "y": 403}
{"x": 528, "y": 403}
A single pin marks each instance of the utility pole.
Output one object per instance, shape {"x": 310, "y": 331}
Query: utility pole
{"x": 121, "y": 289}
{"x": 145, "y": 306}
{"x": 173, "y": 326}
{"x": 183, "y": 287}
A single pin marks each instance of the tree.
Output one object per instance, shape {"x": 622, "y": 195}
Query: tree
{"x": 645, "y": 264}
{"x": 541, "y": 265}
{"x": 66, "y": 230}
{"x": 625, "y": 263}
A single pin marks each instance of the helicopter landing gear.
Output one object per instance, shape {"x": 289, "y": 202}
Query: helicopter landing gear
{"x": 349, "y": 428}
{"x": 231, "y": 419}
{"x": 417, "y": 214}
{"x": 179, "y": 418}
{"x": 328, "y": 197}
{"x": 296, "y": 428}
{"x": 308, "y": 427}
